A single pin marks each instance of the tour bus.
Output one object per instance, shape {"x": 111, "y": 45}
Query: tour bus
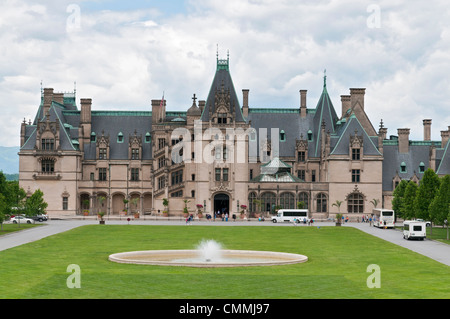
{"x": 288, "y": 215}
{"x": 414, "y": 229}
{"x": 383, "y": 218}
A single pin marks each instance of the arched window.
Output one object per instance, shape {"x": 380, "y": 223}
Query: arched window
{"x": 403, "y": 167}
{"x": 251, "y": 202}
{"x": 355, "y": 203}
{"x": 322, "y": 206}
{"x": 120, "y": 137}
{"x": 93, "y": 137}
{"x": 268, "y": 202}
{"x": 303, "y": 197}
{"x": 287, "y": 201}
{"x": 421, "y": 167}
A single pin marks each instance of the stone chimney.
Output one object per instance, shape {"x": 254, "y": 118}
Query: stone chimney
{"x": 357, "y": 97}
{"x": 403, "y": 140}
{"x": 59, "y": 98}
{"x": 445, "y": 136}
{"x": 346, "y": 104}
{"x": 48, "y": 98}
{"x": 303, "y": 103}
{"x": 86, "y": 105}
{"x": 427, "y": 130}
{"x": 158, "y": 111}
{"x": 245, "y": 102}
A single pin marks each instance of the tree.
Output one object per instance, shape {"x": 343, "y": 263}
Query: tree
{"x": 338, "y": 204}
{"x": 35, "y": 204}
{"x": 440, "y": 203}
{"x": 409, "y": 200}
{"x": 375, "y": 202}
{"x": 2, "y": 211}
{"x": 428, "y": 188}
{"x": 397, "y": 201}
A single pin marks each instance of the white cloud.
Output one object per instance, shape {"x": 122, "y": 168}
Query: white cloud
{"x": 123, "y": 59}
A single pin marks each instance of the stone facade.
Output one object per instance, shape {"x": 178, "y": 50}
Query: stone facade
{"x": 220, "y": 155}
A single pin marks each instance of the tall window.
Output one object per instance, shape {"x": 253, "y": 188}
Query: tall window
{"x": 356, "y": 175}
{"x": 251, "y": 202}
{"x": 177, "y": 177}
{"x": 102, "y": 153}
{"x": 303, "y": 197}
{"x": 322, "y": 203}
{"x": 403, "y": 167}
{"x": 217, "y": 171}
{"x": 134, "y": 153}
{"x": 268, "y": 202}
{"x": 356, "y": 154}
{"x": 102, "y": 174}
{"x": 161, "y": 182}
{"x": 135, "y": 174}
{"x": 313, "y": 175}
{"x": 225, "y": 175}
{"x": 120, "y": 137}
{"x": 421, "y": 167}
{"x": 161, "y": 143}
{"x": 301, "y": 174}
{"x": 65, "y": 203}
{"x": 355, "y": 203}
{"x": 301, "y": 156}
{"x": 48, "y": 144}
{"x": 287, "y": 201}
{"x": 48, "y": 166}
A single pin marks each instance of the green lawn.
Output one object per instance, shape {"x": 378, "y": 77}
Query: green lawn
{"x": 337, "y": 266}
{"x": 10, "y": 228}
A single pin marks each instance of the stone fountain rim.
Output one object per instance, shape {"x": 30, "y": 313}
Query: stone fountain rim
{"x": 283, "y": 258}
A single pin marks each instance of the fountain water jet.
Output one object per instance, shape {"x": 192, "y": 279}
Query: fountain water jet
{"x": 209, "y": 253}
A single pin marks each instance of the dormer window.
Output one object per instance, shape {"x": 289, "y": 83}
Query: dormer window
{"x": 148, "y": 137}
{"x": 356, "y": 154}
{"x": 282, "y": 136}
{"x": 93, "y": 137}
{"x": 222, "y": 118}
{"x": 48, "y": 144}
{"x": 120, "y": 138}
{"x": 310, "y": 136}
{"x": 403, "y": 167}
{"x": 422, "y": 167}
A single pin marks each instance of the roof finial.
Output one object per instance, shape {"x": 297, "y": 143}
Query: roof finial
{"x": 325, "y": 78}
{"x": 217, "y": 52}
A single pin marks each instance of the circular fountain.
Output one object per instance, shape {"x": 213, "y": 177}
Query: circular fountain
{"x": 209, "y": 253}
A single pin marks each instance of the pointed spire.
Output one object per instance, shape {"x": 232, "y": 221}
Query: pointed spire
{"x": 325, "y": 78}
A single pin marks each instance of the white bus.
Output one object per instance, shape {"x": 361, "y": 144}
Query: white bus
{"x": 288, "y": 215}
{"x": 383, "y": 218}
{"x": 414, "y": 229}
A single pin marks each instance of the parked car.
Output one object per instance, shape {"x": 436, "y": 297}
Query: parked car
{"x": 427, "y": 223}
{"x": 39, "y": 218}
{"x": 21, "y": 219}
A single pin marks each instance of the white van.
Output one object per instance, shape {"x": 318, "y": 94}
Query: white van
{"x": 289, "y": 215}
{"x": 414, "y": 229}
{"x": 383, "y": 218}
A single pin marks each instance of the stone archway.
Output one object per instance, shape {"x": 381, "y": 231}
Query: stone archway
{"x": 222, "y": 203}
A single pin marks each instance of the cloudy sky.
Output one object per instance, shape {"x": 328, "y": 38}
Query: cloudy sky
{"x": 123, "y": 54}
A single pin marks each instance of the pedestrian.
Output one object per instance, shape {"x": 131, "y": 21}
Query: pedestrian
{"x": 362, "y": 219}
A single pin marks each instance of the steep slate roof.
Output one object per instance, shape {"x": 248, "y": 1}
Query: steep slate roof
{"x": 325, "y": 113}
{"x": 349, "y": 128}
{"x": 111, "y": 123}
{"x": 444, "y": 165}
{"x": 222, "y": 77}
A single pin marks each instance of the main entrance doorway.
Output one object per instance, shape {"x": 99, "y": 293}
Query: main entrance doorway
{"x": 221, "y": 204}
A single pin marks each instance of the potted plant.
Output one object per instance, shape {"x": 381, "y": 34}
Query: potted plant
{"x": 199, "y": 210}
{"x": 338, "y": 204}
{"x": 86, "y": 207}
{"x": 185, "y": 209}
{"x": 165, "y": 204}
{"x": 243, "y": 208}
{"x": 134, "y": 202}
{"x": 101, "y": 213}
{"x": 125, "y": 209}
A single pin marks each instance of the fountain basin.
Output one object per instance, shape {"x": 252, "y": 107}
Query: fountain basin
{"x": 192, "y": 258}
